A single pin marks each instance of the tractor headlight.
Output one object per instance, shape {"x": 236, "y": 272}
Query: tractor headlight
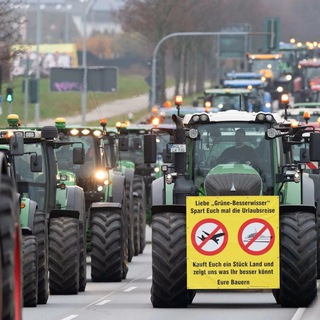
{"x": 196, "y": 118}
{"x": 264, "y": 117}
{"x": 280, "y": 89}
{"x": 204, "y": 117}
{"x": 97, "y": 133}
{"x": 101, "y": 175}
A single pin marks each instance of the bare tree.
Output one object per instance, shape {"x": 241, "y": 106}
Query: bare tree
{"x": 11, "y": 21}
{"x": 193, "y": 60}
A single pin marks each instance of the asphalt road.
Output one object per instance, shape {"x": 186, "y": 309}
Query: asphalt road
{"x": 130, "y": 299}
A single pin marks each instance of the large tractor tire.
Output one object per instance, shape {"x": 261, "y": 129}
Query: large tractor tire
{"x": 130, "y": 219}
{"x": 169, "y": 265}
{"x": 83, "y": 257}
{"x": 139, "y": 188}
{"x": 124, "y": 243}
{"x": 298, "y": 260}
{"x": 30, "y": 270}
{"x": 1, "y": 266}
{"x": 64, "y": 255}
{"x": 136, "y": 227}
{"x": 76, "y": 201}
{"x": 40, "y": 231}
{"x": 10, "y": 234}
{"x": 318, "y": 240}
{"x": 107, "y": 244}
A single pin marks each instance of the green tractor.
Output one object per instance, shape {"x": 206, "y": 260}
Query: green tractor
{"x": 234, "y": 211}
{"x": 33, "y": 221}
{"x": 53, "y": 224}
{"x": 104, "y": 193}
{"x": 11, "y": 300}
{"x": 131, "y": 158}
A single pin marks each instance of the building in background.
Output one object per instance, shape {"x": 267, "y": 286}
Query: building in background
{"x": 62, "y": 20}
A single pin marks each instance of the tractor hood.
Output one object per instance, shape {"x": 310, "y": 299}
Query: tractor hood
{"x": 233, "y": 179}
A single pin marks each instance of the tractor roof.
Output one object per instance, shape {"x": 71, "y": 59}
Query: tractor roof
{"x": 138, "y": 128}
{"x": 264, "y": 56}
{"x": 233, "y": 115}
{"x": 227, "y": 91}
{"x": 307, "y": 105}
{"x": 310, "y": 63}
{"x": 243, "y": 83}
{"x": 27, "y": 134}
{"x": 243, "y": 75}
{"x": 183, "y": 110}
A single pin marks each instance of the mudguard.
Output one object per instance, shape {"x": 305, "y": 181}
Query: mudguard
{"x": 97, "y": 206}
{"x": 76, "y": 201}
{"x": 157, "y": 192}
{"x": 129, "y": 174}
{"x": 293, "y": 192}
{"x": 27, "y": 213}
{"x": 118, "y": 188}
{"x": 286, "y": 208}
{"x": 3, "y": 164}
{"x": 56, "y": 213}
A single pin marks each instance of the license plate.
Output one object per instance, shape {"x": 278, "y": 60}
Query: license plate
{"x": 178, "y": 148}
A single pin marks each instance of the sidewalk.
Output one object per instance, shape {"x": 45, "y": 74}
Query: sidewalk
{"x": 110, "y": 109}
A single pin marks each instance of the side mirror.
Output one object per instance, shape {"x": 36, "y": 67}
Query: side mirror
{"x": 304, "y": 155}
{"x": 78, "y": 155}
{"x": 167, "y": 157}
{"x": 35, "y": 163}
{"x": 123, "y": 143}
{"x": 150, "y": 148}
{"x": 16, "y": 144}
{"x": 314, "y": 146}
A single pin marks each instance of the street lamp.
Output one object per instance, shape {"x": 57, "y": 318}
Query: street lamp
{"x": 38, "y": 35}
{"x": 84, "y": 62}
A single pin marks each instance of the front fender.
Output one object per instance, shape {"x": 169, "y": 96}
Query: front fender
{"x": 27, "y": 213}
{"x": 118, "y": 188}
{"x": 76, "y": 201}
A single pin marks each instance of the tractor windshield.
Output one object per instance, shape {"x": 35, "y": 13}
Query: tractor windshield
{"x": 31, "y": 184}
{"x": 311, "y": 72}
{"x": 233, "y": 143}
{"x": 226, "y": 102}
{"x": 135, "y": 151}
{"x": 92, "y": 162}
{"x": 274, "y": 65}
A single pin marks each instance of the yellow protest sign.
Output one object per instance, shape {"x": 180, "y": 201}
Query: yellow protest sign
{"x": 233, "y": 242}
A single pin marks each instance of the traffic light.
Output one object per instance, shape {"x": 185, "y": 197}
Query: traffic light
{"x": 9, "y": 95}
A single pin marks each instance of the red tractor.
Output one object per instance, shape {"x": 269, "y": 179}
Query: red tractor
{"x": 306, "y": 84}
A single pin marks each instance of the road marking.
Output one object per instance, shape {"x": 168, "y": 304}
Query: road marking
{"x": 129, "y": 289}
{"x": 299, "y": 313}
{"x": 71, "y": 317}
{"x": 101, "y": 303}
